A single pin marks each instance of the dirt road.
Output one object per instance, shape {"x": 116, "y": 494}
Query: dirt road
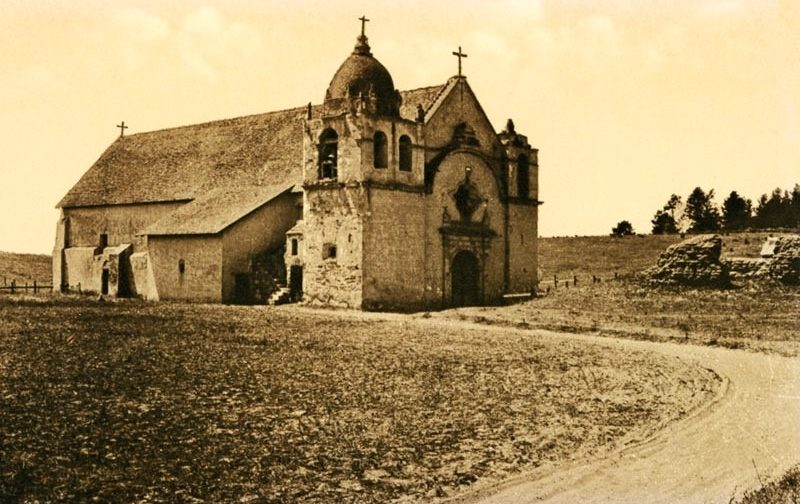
{"x": 748, "y": 435}
{"x": 751, "y": 433}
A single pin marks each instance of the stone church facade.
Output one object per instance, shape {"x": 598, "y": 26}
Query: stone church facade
{"x": 375, "y": 199}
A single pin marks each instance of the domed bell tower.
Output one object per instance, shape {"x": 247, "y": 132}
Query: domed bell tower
{"x": 360, "y": 94}
{"x": 346, "y": 140}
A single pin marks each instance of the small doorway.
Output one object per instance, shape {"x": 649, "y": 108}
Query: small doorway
{"x": 465, "y": 279}
{"x": 241, "y": 289}
{"x": 296, "y": 282}
{"x": 104, "y": 282}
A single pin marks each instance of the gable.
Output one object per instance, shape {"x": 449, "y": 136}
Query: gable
{"x": 457, "y": 104}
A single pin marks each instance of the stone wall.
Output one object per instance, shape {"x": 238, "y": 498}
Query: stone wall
{"x": 333, "y": 218}
{"x": 523, "y": 248}
{"x": 395, "y": 250}
{"x": 784, "y": 265}
{"x": 694, "y": 262}
{"x": 490, "y": 216}
{"x": 697, "y": 262}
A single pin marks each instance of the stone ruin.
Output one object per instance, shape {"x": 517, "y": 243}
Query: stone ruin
{"x": 694, "y": 262}
{"x": 697, "y": 262}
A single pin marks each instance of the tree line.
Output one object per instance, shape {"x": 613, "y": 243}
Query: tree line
{"x": 701, "y": 214}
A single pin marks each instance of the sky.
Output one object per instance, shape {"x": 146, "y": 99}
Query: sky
{"x": 627, "y": 101}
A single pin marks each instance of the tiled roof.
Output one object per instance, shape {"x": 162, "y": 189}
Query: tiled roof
{"x": 217, "y": 209}
{"x": 184, "y": 163}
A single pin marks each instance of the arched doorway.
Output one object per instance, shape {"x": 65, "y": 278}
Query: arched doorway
{"x": 465, "y": 275}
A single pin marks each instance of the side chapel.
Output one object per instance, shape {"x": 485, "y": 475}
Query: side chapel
{"x": 375, "y": 199}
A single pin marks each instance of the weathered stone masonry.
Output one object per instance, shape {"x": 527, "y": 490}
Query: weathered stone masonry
{"x": 376, "y": 199}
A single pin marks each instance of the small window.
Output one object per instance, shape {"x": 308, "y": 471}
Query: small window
{"x": 181, "y": 266}
{"x": 294, "y": 246}
{"x": 523, "y": 176}
{"x": 380, "y": 155}
{"x": 405, "y": 153}
{"x": 103, "y": 241}
{"x": 329, "y": 251}
{"x": 328, "y": 151}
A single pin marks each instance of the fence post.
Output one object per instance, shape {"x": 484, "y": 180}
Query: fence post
{"x": 13, "y": 286}
{"x": 35, "y": 287}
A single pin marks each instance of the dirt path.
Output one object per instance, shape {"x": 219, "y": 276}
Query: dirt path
{"x": 751, "y": 433}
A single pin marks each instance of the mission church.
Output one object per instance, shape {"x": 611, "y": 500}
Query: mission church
{"x": 375, "y": 199}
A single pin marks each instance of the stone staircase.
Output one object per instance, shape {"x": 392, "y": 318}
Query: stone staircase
{"x": 280, "y": 296}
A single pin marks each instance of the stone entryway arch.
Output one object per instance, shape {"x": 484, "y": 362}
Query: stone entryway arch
{"x": 465, "y": 277}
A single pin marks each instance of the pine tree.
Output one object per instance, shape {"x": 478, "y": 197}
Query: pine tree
{"x": 664, "y": 221}
{"x": 736, "y": 212}
{"x": 701, "y": 212}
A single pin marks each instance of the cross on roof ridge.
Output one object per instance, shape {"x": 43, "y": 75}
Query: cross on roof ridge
{"x": 459, "y": 55}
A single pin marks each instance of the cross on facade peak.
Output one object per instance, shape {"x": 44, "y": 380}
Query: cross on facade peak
{"x": 364, "y": 21}
{"x": 459, "y": 55}
{"x": 122, "y": 129}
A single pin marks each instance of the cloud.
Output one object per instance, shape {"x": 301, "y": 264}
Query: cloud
{"x": 722, "y": 7}
{"x": 492, "y": 45}
{"x": 203, "y": 42}
{"x": 209, "y": 44}
{"x": 144, "y": 25}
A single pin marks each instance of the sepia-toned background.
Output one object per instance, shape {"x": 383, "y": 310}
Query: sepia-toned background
{"x": 628, "y": 101}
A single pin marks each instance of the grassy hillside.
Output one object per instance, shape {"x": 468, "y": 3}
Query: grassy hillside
{"x": 602, "y": 256}
{"x": 25, "y": 268}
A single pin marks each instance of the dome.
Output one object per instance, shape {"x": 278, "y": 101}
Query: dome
{"x": 362, "y": 74}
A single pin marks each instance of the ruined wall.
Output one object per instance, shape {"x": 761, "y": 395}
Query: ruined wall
{"x": 694, "y": 262}
{"x": 781, "y": 264}
{"x": 395, "y": 251}
{"x": 523, "y": 248}
{"x": 201, "y": 279}
{"x": 120, "y": 222}
{"x": 333, "y": 218}
{"x": 261, "y": 231}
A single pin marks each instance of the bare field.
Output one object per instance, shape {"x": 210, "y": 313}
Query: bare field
{"x": 129, "y": 401}
{"x": 755, "y": 318}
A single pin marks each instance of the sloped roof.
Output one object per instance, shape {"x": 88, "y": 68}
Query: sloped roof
{"x": 180, "y": 164}
{"x": 421, "y": 96}
{"x": 217, "y": 209}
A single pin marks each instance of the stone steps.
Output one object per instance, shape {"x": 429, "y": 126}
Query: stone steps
{"x": 280, "y": 296}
